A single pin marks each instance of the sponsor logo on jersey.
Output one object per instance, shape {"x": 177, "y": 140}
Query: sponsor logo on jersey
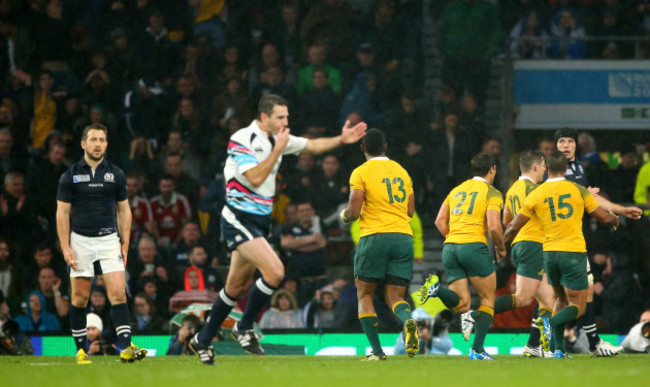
{"x": 80, "y": 178}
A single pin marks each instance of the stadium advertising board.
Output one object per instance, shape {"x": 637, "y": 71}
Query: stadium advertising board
{"x": 328, "y": 344}
{"x": 589, "y": 94}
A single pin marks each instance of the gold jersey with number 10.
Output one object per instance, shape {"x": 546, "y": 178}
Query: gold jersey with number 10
{"x": 532, "y": 231}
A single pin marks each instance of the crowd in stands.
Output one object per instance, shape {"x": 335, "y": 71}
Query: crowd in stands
{"x": 172, "y": 80}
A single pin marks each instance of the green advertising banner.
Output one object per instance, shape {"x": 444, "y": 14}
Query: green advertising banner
{"x": 327, "y": 344}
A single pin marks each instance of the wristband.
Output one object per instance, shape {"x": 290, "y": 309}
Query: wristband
{"x": 341, "y": 141}
{"x": 57, "y": 294}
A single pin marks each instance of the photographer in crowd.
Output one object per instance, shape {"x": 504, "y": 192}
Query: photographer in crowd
{"x": 12, "y": 342}
{"x": 97, "y": 346}
{"x": 638, "y": 340}
{"x": 178, "y": 344}
{"x": 433, "y": 333}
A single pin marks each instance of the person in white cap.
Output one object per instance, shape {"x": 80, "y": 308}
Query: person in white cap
{"x": 98, "y": 346}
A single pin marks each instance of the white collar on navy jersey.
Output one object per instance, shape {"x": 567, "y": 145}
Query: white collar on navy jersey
{"x": 555, "y": 179}
{"x": 479, "y": 178}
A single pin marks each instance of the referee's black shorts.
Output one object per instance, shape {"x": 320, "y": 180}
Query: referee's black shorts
{"x": 239, "y": 227}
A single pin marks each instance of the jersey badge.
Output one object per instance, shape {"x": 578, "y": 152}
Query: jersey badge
{"x": 109, "y": 177}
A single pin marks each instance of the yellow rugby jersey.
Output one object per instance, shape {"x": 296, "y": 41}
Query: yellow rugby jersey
{"x": 559, "y": 205}
{"x": 387, "y": 187}
{"x": 468, "y": 204}
{"x": 532, "y": 231}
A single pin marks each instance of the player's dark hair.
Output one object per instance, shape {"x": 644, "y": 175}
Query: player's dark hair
{"x": 174, "y": 154}
{"x": 268, "y": 102}
{"x": 374, "y": 142}
{"x": 528, "y": 158}
{"x": 482, "y": 163}
{"x": 566, "y": 132}
{"x": 84, "y": 134}
{"x": 556, "y": 162}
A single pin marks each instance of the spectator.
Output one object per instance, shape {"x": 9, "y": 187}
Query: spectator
{"x": 332, "y": 186}
{"x": 42, "y": 257}
{"x": 56, "y": 303}
{"x": 160, "y": 297}
{"x": 44, "y": 113}
{"x": 10, "y": 270}
{"x": 273, "y": 81}
{"x": 185, "y": 184}
{"x": 13, "y": 141}
{"x": 317, "y": 59}
{"x": 187, "y": 120}
{"x": 319, "y": 312}
{"x": 302, "y": 181}
{"x": 642, "y": 187}
{"x": 99, "y": 307}
{"x": 319, "y": 106}
{"x": 284, "y": 312}
{"x": 170, "y": 210}
{"x": 43, "y": 177}
{"x": 146, "y": 321}
{"x": 176, "y": 144}
{"x": 468, "y": 36}
{"x": 406, "y": 122}
{"x": 447, "y": 103}
{"x": 148, "y": 262}
{"x": 141, "y": 214}
{"x": 568, "y": 30}
{"x": 522, "y": 34}
{"x": 198, "y": 259}
{"x": 287, "y": 38}
{"x": 621, "y": 181}
{"x": 194, "y": 279}
{"x": 232, "y": 101}
{"x": 141, "y": 159}
{"x": 433, "y": 333}
{"x": 638, "y": 339}
{"x": 179, "y": 343}
{"x": 329, "y": 21}
{"x": 17, "y": 212}
{"x": 36, "y": 318}
{"x": 366, "y": 99}
{"x": 270, "y": 57}
{"x": 594, "y": 165}
{"x": 190, "y": 237}
{"x": 12, "y": 341}
{"x": 97, "y": 346}
{"x": 546, "y": 146}
{"x": 305, "y": 248}
{"x": 155, "y": 49}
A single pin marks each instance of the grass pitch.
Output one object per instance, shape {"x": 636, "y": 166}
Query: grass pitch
{"x": 582, "y": 370}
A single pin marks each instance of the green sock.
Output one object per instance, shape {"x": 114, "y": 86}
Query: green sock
{"x": 369, "y": 323}
{"x": 402, "y": 310}
{"x": 482, "y": 321}
{"x": 557, "y": 341}
{"x": 559, "y": 321}
{"x": 505, "y": 303}
{"x": 448, "y": 297}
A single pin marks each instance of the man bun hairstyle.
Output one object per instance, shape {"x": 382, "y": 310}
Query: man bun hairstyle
{"x": 374, "y": 142}
{"x": 482, "y": 163}
{"x": 556, "y": 162}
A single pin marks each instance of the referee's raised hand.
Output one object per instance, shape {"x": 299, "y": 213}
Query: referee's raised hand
{"x": 70, "y": 258}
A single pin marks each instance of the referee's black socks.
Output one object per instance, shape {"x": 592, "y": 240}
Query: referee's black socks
{"x": 78, "y": 327}
{"x": 220, "y": 310}
{"x": 122, "y": 322}
{"x": 260, "y": 295}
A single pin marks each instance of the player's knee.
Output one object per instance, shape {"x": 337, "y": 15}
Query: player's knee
{"x": 523, "y": 300}
{"x": 275, "y": 276}
{"x": 79, "y": 300}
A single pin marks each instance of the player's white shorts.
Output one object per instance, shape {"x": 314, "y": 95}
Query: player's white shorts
{"x": 590, "y": 277}
{"x": 96, "y": 255}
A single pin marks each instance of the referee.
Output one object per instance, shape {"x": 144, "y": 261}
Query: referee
{"x": 92, "y": 189}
